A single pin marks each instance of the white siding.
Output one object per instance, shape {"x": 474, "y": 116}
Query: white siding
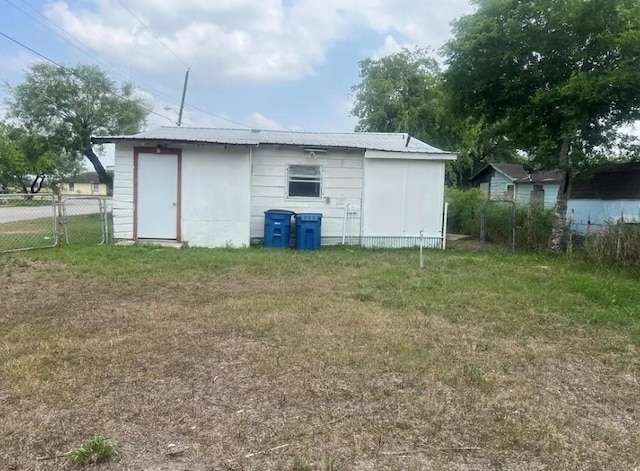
{"x": 123, "y": 192}
{"x": 342, "y": 185}
{"x": 551, "y": 195}
{"x": 214, "y": 201}
{"x": 498, "y": 187}
{"x": 215, "y": 196}
{"x": 523, "y": 194}
{"x": 225, "y": 192}
{"x": 402, "y": 198}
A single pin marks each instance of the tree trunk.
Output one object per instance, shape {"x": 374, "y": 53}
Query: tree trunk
{"x": 560, "y": 215}
{"x": 36, "y": 185}
{"x": 97, "y": 165}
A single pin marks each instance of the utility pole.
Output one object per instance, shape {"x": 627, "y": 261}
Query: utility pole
{"x": 184, "y": 92}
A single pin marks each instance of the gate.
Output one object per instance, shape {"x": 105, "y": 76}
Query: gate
{"x": 39, "y": 221}
{"x": 512, "y": 223}
{"x": 27, "y": 222}
{"x": 85, "y": 220}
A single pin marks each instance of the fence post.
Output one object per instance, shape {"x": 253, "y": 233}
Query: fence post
{"x": 619, "y": 239}
{"x": 570, "y": 238}
{"x": 482, "y": 224}
{"x": 60, "y": 230}
{"x": 513, "y": 226}
{"x": 444, "y": 226}
{"x": 421, "y": 245}
{"x": 530, "y": 240}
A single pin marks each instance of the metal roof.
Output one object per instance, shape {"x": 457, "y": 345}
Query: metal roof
{"x": 86, "y": 177}
{"x": 517, "y": 173}
{"x": 391, "y": 142}
{"x": 615, "y": 181}
{"x": 511, "y": 171}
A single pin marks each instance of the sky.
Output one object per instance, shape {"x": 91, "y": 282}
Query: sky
{"x": 269, "y": 64}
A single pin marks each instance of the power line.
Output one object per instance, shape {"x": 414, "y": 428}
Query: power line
{"x": 31, "y": 50}
{"x": 148, "y": 28}
{"x": 60, "y": 65}
{"x": 215, "y": 115}
{"x": 97, "y": 56}
{"x": 93, "y": 55}
{"x": 72, "y": 72}
{"x": 101, "y": 58}
{"x": 72, "y": 42}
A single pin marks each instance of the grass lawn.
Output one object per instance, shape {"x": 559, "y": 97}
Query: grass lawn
{"x": 340, "y": 359}
{"x": 83, "y": 230}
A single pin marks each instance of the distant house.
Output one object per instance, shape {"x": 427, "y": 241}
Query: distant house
{"x": 84, "y": 184}
{"x": 608, "y": 194}
{"x": 511, "y": 182}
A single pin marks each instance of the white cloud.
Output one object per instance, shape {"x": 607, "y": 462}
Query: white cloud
{"x": 18, "y": 62}
{"x": 165, "y": 114}
{"x": 254, "y": 40}
{"x": 390, "y": 46}
{"x": 260, "y": 121}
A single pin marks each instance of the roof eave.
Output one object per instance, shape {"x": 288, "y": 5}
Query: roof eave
{"x": 443, "y": 155}
{"x": 503, "y": 173}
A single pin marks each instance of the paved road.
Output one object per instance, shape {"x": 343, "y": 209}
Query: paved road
{"x": 75, "y": 207}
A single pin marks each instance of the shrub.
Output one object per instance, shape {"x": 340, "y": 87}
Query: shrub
{"x": 533, "y": 226}
{"x": 464, "y": 210}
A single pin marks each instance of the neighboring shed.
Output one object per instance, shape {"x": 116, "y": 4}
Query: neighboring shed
{"x": 605, "y": 195}
{"x": 511, "y": 182}
{"x": 84, "y": 184}
{"x": 210, "y": 187}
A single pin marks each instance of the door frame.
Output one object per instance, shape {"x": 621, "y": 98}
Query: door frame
{"x": 158, "y": 150}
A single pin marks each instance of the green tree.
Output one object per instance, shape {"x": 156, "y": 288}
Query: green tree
{"x": 402, "y": 93}
{"x": 405, "y": 92}
{"x": 12, "y": 165}
{"x": 69, "y": 105}
{"x": 28, "y": 159}
{"x": 559, "y": 76}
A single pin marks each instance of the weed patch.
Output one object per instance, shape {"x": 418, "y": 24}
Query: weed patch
{"x": 95, "y": 451}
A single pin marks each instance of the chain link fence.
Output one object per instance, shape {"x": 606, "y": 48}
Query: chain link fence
{"x": 40, "y": 221}
{"x": 86, "y": 220}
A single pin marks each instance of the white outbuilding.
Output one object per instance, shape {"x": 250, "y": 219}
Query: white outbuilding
{"x": 210, "y": 187}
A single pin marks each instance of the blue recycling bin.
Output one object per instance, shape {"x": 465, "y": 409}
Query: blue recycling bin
{"x": 308, "y": 231}
{"x": 277, "y": 228}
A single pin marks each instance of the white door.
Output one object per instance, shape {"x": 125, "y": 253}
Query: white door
{"x": 157, "y": 201}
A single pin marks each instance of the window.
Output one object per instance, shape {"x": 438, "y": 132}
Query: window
{"x": 96, "y": 187}
{"x": 304, "y": 181}
{"x": 537, "y": 196}
{"x": 510, "y": 193}
{"x": 71, "y": 187}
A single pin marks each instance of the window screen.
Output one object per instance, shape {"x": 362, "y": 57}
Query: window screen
{"x": 304, "y": 181}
